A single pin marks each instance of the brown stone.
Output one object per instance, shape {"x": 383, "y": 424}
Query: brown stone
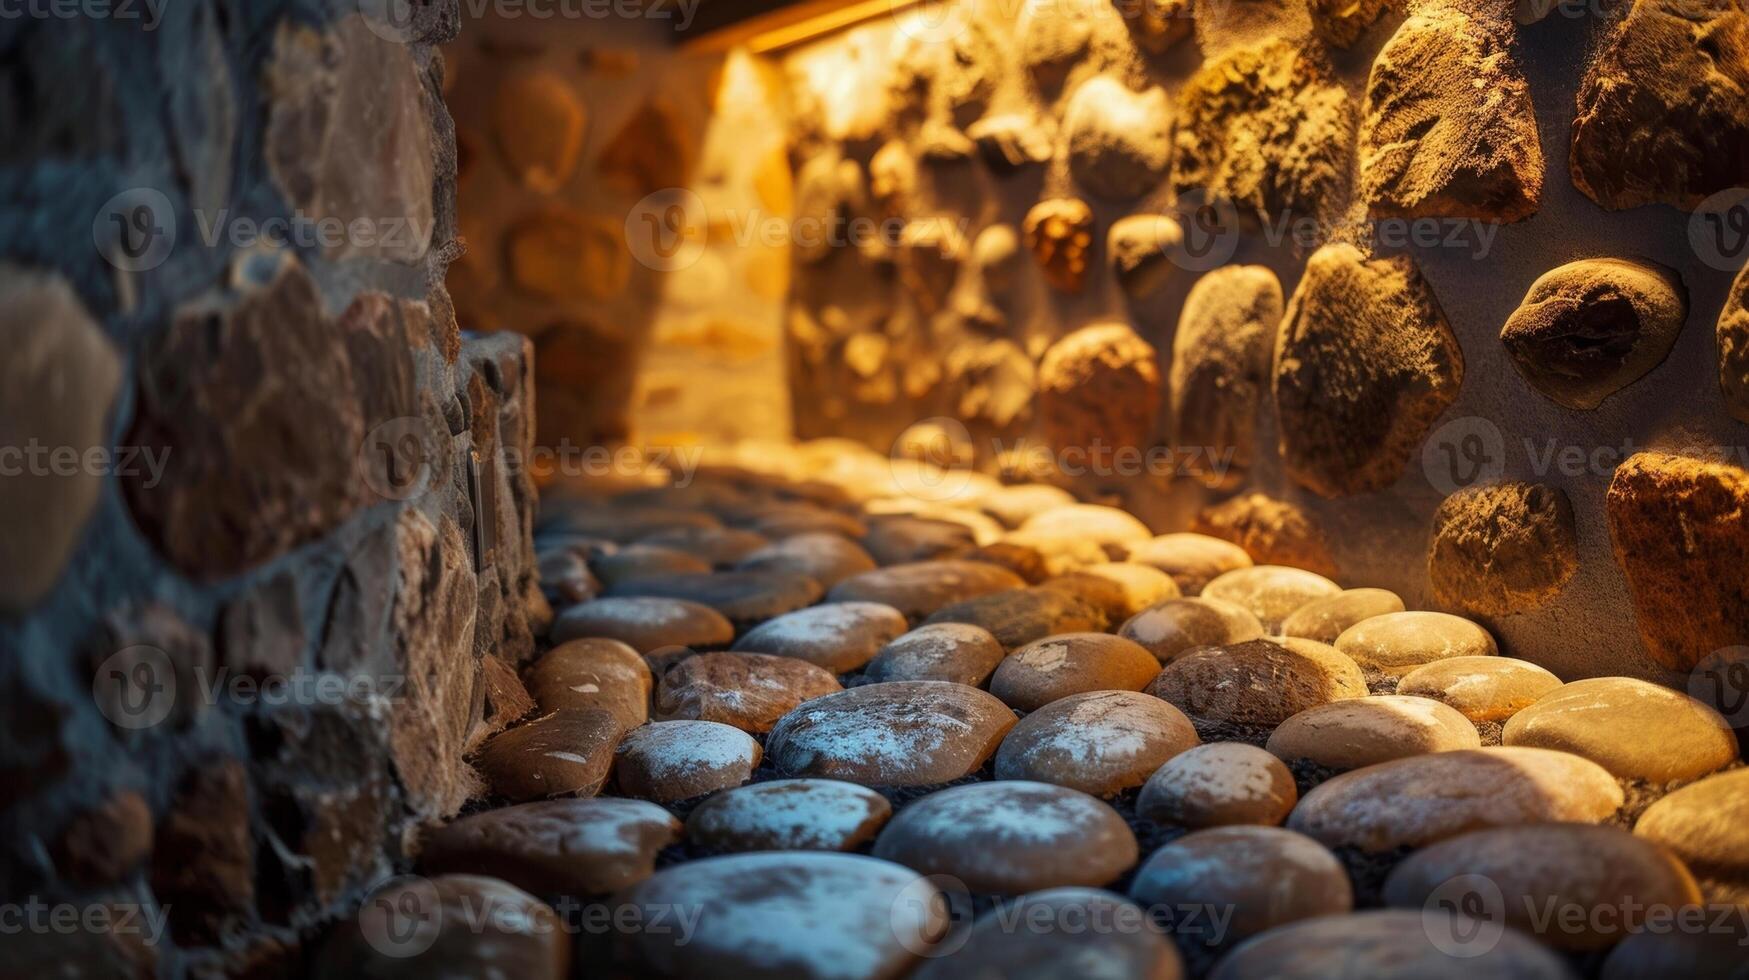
{"x": 593, "y": 673}
{"x": 1272, "y": 593}
{"x": 1220, "y": 369}
{"x": 1266, "y": 127}
{"x": 718, "y": 545}
{"x": 1262, "y": 877}
{"x": 901, "y": 733}
{"x": 1733, "y": 339}
{"x": 749, "y": 691}
{"x": 652, "y": 151}
{"x": 899, "y": 538}
{"x": 919, "y": 589}
{"x": 670, "y": 761}
{"x": 1193, "y": 560}
{"x": 645, "y": 624}
{"x": 1101, "y": 742}
{"x": 996, "y": 381}
{"x": 100, "y": 846}
{"x": 957, "y": 652}
{"x": 505, "y": 700}
{"x": 575, "y": 848}
{"x": 1399, "y": 943}
{"x": 1053, "y": 38}
{"x": 1011, "y": 836}
{"x": 1397, "y": 643}
{"x": 1174, "y": 626}
{"x": 1260, "y": 682}
{"x": 1591, "y": 328}
{"x": 789, "y": 815}
{"x": 1706, "y": 824}
{"x": 1633, "y": 728}
{"x": 203, "y": 858}
{"x": 1272, "y": 532}
{"x": 746, "y": 598}
{"x": 140, "y": 648}
{"x": 59, "y": 380}
{"x": 433, "y": 622}
{"x": 557, "y": 253}
{"x": 1128, "y": 947}
{"x": 1219, "y": 784}
{"x": 1365, "y": 731}
{"x": 540, "y": 123}
{"x": 1017, "y": 617}
{"x": 1049, "y": 553}
{"x": 1326, "y": 619}
{"x": 1063, "y": 664}
{"x": 1140, "y": 249}
{"x": 839, "y": 636}
{"x": 1553, "y": 866}
{"x": 1425, "y": 798}
{"x": 1450, "y": 131}
{"x": 584, "y": 382}
{"x": 638, "y": 560}
{"x": 566, "y": 753}
{"x": 1364, "y": 364}
{"x": 261, "y": 633}
{"x": 1677, "y": 527}
{"x": 1059, "y": 232}
{"x": 826, "y": 558}
{"x": 1502, "y": 548}
{"x": 1663, "y": 109}
{"x": 467, "y": 925}
{"x": 1480, "y": 688}
{"x": 1340, "y": 23}
{"x": 1119, "y": 140}
{"x": 1099, "y": 392}
{"x": 1121, "y": 588}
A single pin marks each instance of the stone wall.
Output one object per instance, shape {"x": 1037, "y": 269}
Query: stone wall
{"x": 1299, "y": 251}
{"x": 250, "y": 627}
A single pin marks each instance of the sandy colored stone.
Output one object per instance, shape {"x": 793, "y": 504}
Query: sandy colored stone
{"x": 1100, "y": 742}
{"x": 1052, "y": 37}
{"x": 1272, "y": 593}
{"x": 1590, "y": 328}
{"x": 1425, "y": 798}
{"x": 1260, "y": 682}
{"x": 670, "y": 761}
{"x": 1449, "y": 130}
{"x": 1688, "y": 588}
{"x": 1663, "y": 109}
{"x": 1272, "y": 531}
{"x": 1058, "y": 232}
{"x": 1027, "y": 562}
{"x": 839, "y": 636}
{"x": 1706, "y": 824}
{"x": 1364, "y": 364}
{"x": 1267, "y": 127}
{"x": 1119, "y": 140}
{"x": 1733, "y": 340}
{"x": 1502, "y": 548}
{"x": 1390, "y": 944}
{"x": 1099, "y": 392}
{"x": 1017, "y": 617}
{"x": 1157, "y": 25}
{"x": 1061, "y": 665}
{"x": 1128, "y": 945}
{"x": 1397, "y": 643}
{"x": 1559, "y": 866}
{"x": 749, "y": 691}
{"x": 1365, "y": 731}
{"x": 1140, "y": 249}
{"x": 1262, "y": 876}
{"x": 1480, "y": 688}
{"x": 1219, "y": 784}
{"x": 1058, "y": 552}
{"x": 645, "y": 624}
{"x": 566, "y": 753}
{"x": 838, "y": 915}
{"x": 539, "y": 123}
{"x": 1633, "y": 728}
{"x": 902, "y": 733}
{"x": 1328, "y": 618}
{"x": 452, "y": 924}
{"x": 1193, "y": 560}
{"x": 1220, "y": 369}
{"x": 789, "y": 815}
{"x": 593, "y": 673}
{"x": 1010, "y": 836}
{"x": 1340, "y": 23}
{"x": 555, "y": 847}
{"x": 1171, "y": 627}
{"x": 1121, "y": 588}
{"x": 826, "y": 558}
{"x": 957, "y": 652}
{"x": 921, "y": 588}
{"x": 1105, "y": 526}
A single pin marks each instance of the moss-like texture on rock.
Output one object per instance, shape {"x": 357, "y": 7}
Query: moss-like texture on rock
{"x": 1502, "y": 548}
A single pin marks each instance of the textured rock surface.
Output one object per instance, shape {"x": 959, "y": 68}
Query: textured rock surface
{"x": 1591, "y": 328}
{"x": 645, "y": 624}
{"x": 1021, "y": 616}
{"x": 1480, "y": 688}
{"x": 1193, "y": 560}
{"x": 1012, "y": 141}
{"x": 1266, "y": 127}
{"x": 1502, "y": 548}
{"x": 1390, "y": 944}
{"x": 1119, "y": 140}
{"x": 1340, "y": 23}
{"x": 1219, "y": 784}
{"x": 1272, "y": 531}
{"x": 556, "y": 847}
{"x": 1272, "y": 593}
{"x": 1449, "y": 129}
{"x": 1065, "y": 664}
{"x": 1257, "y": 683}
{"x": 1706, "y": 824}
{"x": 956, "y": 652}
{"x": 1129, "y": 946}
{"x": 1220, "y": 368}
{"x": 1364, "y": 364}
{"x": 1010, "y": 837}
{"x": 566, "y": 753}
{"x": 1101, "y": 742}
{"x": 839, "y": 636}
{"x": 1663, "y": 110}
{"x": 903, "y": 733}
{"x": 1733, "y": 339}
{"x": 1099, "y": 391}
{"x": 1365, "y": 731}
{"x": 1328, "y": 618}
{"x": 1059, "y": 232}
{"x": 789, "y": 815}
{"x": 1262, "y": 877}
{"x": 921, "y": 588}
{"x": 1425, "y": 798}
{"x": 1397, "y": 643}
{"x": 749, "y": 691}
{"x": 1677, "y": 527}
{"x": 593, "y": 674}
{"x": 1633, "y": 728}
{"x": 670, "y": 761}
{"x": 1177, "y": 625}
{"x": 417, "y": 926}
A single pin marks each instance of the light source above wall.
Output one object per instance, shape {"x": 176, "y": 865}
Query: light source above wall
{"x": 764, "y": 26}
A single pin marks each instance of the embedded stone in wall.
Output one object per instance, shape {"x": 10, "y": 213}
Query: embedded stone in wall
{"x": 892, "y": 178}
{"x": 260, "y": 401}
{"x": 1364, "y": 363}
{"x": 1059, "y": 232}
{"x": 341, "y": 103}
{"x": 930, "y": 253}
{"x": 1266, "y": 127}
{"x": 1677, "y": 526}
{"x": 1138, "y": 248}
{"x": 1502, "y": 548}
{"x": 1663, "y": 110}
{"x": 1119, "y": 140}
{"x": 1272, "y": 532}
{"x": 203, "y": 862}
{"x": 1012, "y": 141}
{"x": 995, "y": 380}
{"x": 1449, "y": 129}
{"x": 558, "y": 253}
{"x": 1340, "y": 23}
{"x": 650, "y": 152}
{"x": 540, "y": 124}
{"x": 103, "y": 844}
{"x": 1220, "y": 365}
{"x": 57, "y": 384}
{"x": 1054, "y": 36}
{"x": 1099, "y": 389}
{"x": 1157, "y": 25}
{"x": 1591, "y": 328}
{"x": 1734, "y": 348}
